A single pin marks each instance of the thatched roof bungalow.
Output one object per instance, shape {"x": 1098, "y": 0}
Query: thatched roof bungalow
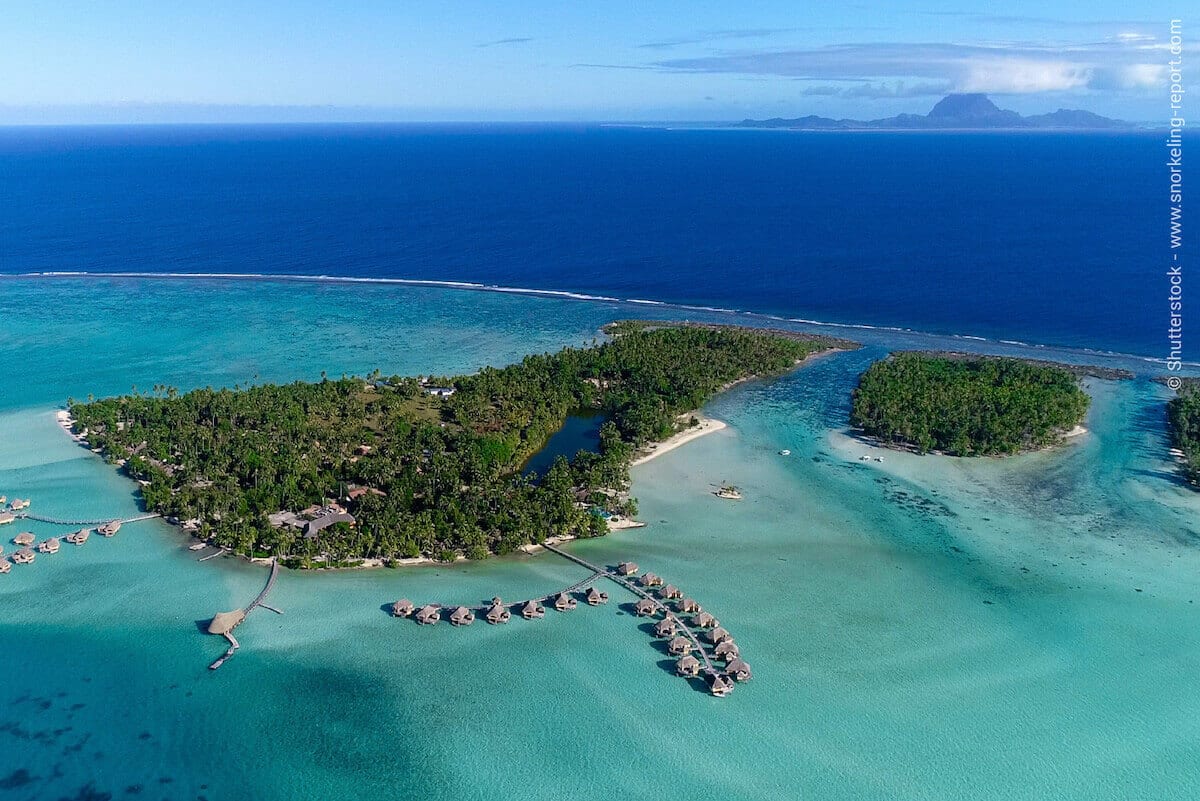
{"x": 645, "y": 608}
{"x": 5, "y": 517}
{"x": 24, "y": 556}
{"x": 689, "y": 606}
{"x": 704, "y": 620}
{"x": 680, "y": 646}
{"x": 109, "y": 528}
{"x": 5, "y": 565}
{"x": 738, "y": 670}
{"x": 670, "y": 592}
{"x": 79, "y": 537}
{"x": 17, "y": 504}
{"x": 24, "y": 539}
{"x": 627, "y": 568}
{"x": 595, "y": 597}
{"x": 225, "y": 622}
{"x": 564, "y": 602}
{"x": 462, "y": 616}
{"x": 718, "y": 635}
{"x": 533, "y": 610}
{"x": 727, "y": 650}
{"x": 651, "y": 580}
{"x": 497, "y": 613}
{"x": 49, "y": 546}
{"x": 429, "y": 615}
{"x": 688, "y": 665}
{"x": 665, "y": 627}
{"x": 402, "y": 608}
{"x": 719, "y": 685}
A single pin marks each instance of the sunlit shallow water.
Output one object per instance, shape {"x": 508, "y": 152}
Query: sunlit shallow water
{"x": 919, "y": 628}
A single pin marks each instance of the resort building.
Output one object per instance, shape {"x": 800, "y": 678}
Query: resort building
{"x": 24, "y": 556}
{"x": 429, "y": 615}
{"x": 738, "y": 670}
{"x": 24, "y": 539}
{"x": 79, "y": 537}
{"x": 595, "y": 597}
{"x": 679, "y": 646}
{"x": 718, "y": 635}
{"x": 665, "y": 627}
{"x": 18, "y": 504}
{"x": 5, "y": 517}
{"x": 109, "y": 528}
{"x": 689, "y": 606}
{"x": 688, "y": 665}
{"x": 627, "y": 568}
{"x": 498, "y": 613}
{"x": 225, "y": 622}
{"x": 651, "y": 580}
{"x": 462, "y": 616}
{"x": 49, "y": 546}
{"x": 719, "y": 685}
{"x": 704, "y": 620}
{"x": 402, "y": 608}
{"x": 5, "y": 565}
{"x": 670, "y": 592}
{"x": 645, "y": 608}
{"x": 564, "y": 602}
{"x": 532, "y": 610}
{"x": 440, "y": 392}
{"x": 727, "y": 650}
{"x": 323, "y": 521}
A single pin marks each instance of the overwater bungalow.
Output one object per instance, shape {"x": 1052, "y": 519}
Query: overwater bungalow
{"x": 627, "y": 569}
{"x": 498, "y": 613}
{"x": 5, "y": 517}
{"x": 5, "y": 565}
{"x": 429, "y": 615}
{"x": 18, "y": 504}
{"x": 688, "y": 665}
{"x": 689, "y": 606}
{"x": 704, "y": 620}
{"x": 727, "y": 650}
{"x": 533, "y": 610}
{"x": 679, "y": 646}
{"x": 718, "y": 635}
{"x": 595, "y": 597}
{"x": 651, "y": 580}
{"x": 665, "y": 627}
{"x": 24, "y": 539}
{"x": 645, "y": 608}
{"x": 719, "y": 685}
{"x": 109, "y": 528}
{"x": 738, "y": 670}
{"x": 402, "y": 608}
{"x": 25, "y": 556}
{"x": 225, "y": 622}
{"x": 564, "y": 602}
{"x": 670, "y": 592}
{"x": 49, "y": 546}
{"x": 462, "y": 616}
{"x": 79, "y": 537}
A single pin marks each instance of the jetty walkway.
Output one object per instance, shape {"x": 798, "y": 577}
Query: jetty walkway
{"x": 57, "y": 522}
{"x": 224, "y": 623}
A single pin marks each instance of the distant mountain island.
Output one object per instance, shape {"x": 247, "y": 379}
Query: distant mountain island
{"x": 974, "y": 112}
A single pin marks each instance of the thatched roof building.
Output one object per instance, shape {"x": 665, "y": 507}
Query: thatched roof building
{"x": 49, "y": 546}
{"x": 679, "y": 646}
{"x": 5, "y": 517}
{"x": 79, "y": 537}
{"x": 109, "y": 528}
{"x": 402, "y": 608}
{"x": 497, "y": 613}
{"x": 17, "y": 504}
{"x": 665, "y": 627}
{"x": 719, "y": 685}
{"x": 564, "y": 602}
{"x": 225, "y": 622}
{"x": 689, "y": 606}
{"x": 595, "y": 597}
{"x": 23, "y": 557}
{"x": 704, "y": 620}
{"x": 462, "y": 616}
{"x": 718, "y": 635}
{"x": 429, "y": 614}
{"x": 727, "y": 650}
{"x": 313, "y": 527}
{"x": 688, "y": 665}
{"x": 5, "y": 565}
{"x": 651, "y": 580}
{"x": 24, "y": 539}
{"x": 627, "y": 568}
{"x": 645, "y": 608}
{"x": 532, "y": 610}
{"x": 670, "y": 592}
{"x": 738, "y": 670}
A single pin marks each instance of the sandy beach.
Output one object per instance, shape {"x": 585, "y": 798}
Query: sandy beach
{"x": 707, "y": 425}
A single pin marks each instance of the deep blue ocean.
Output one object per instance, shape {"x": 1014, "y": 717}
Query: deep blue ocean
{"x": 1043, "y": 238}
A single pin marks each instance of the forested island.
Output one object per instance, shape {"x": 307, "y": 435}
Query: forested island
{"x": 1183, "y": 423}
{"x": 327, "y": 473}
{"x": 967, "y": 406}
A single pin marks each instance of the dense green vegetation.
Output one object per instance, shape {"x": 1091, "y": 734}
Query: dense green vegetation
{"x": 1183, "y": 421}
{"x": 444, "y": 474}
{"x": 967, "y": 406}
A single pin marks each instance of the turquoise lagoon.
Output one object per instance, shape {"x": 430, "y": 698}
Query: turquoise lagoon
{"x": 919, "y": 628}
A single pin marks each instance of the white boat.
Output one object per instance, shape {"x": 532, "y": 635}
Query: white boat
{"x": 785, "y": 452}
{"x": 199, "y": 546}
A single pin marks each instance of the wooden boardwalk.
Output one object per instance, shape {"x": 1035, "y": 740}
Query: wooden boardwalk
{"x": 57, "y": 522}
{"x": 579, "y": 585}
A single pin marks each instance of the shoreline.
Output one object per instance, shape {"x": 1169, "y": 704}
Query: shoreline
{"x": 705, "y": 426}
{"x": 843, "y": 438}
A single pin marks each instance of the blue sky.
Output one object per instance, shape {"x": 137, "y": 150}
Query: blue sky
{"x": 572, "y": 60}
